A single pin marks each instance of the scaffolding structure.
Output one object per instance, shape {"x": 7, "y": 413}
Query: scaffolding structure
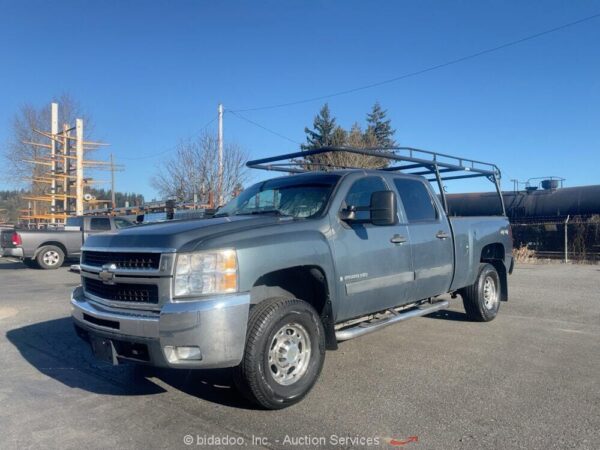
{"x": 61, "y": 178}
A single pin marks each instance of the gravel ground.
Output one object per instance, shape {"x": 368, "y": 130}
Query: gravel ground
{"x": 530, "y": 379}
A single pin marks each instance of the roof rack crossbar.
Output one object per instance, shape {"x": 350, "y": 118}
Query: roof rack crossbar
{"x": 427, "y": 172}
{"x": 431, "y": 163}
{"x": 415, "y": 156}
{"x": 459, "y": 177}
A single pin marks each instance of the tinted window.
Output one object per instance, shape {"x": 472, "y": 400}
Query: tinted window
{"x": 359, "y": 194}
{"x": 99, "y": 224}
{"x": 418, "y": 204}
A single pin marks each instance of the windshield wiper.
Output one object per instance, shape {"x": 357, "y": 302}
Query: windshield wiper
{"x": 275, "y": 212}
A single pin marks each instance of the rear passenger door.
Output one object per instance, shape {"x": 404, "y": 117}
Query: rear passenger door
{"x": 430, "y": 237}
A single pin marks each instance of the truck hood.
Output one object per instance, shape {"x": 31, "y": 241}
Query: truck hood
{"x": 177, "y": 234}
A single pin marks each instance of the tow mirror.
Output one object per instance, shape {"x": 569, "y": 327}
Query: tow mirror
{"x": 348, "y": 214}
{"x": 384, "y": 209}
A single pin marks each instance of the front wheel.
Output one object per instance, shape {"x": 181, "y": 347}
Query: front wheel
{"x": 482, "y": 298}
{"x": 284, "y": 355}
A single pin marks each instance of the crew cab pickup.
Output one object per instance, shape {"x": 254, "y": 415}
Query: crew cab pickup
{"x": 48, "y": 249}
{"x": 291, "y": 267}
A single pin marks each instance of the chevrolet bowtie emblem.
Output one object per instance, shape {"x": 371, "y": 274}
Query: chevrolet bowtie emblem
{"x": 107, "y": 274}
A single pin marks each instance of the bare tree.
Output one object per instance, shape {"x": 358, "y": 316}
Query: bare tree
{"x": 193, "y": 169}
{"x": 28, "y": 118}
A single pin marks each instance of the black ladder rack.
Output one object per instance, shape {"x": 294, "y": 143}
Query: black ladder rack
{"x": 408, "y": 160}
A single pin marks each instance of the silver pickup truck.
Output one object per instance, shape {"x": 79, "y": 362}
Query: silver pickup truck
{"x": 48, "y": 249}
{"x": 290, "y": 268}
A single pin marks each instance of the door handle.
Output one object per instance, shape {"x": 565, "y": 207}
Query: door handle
{"x": 397, "y": 239}
{"x": 442, "y": 235}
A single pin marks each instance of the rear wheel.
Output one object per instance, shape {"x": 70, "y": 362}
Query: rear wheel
{"x": 482, "y": 299}
{"x": 285, "y": 350}
{"x": 50, "y": 257}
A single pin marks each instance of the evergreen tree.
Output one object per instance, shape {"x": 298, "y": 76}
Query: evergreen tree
{"x": 338, "y": 137}
{"x": 379, "y": 129}
{"x": 327, "y": 133}
{"x": 324, "y": 129}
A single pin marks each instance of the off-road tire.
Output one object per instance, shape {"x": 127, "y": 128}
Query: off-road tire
{"x": 476, "y": 301}
{"x": 255, "y": 376}
{"x": 50, "y": 257}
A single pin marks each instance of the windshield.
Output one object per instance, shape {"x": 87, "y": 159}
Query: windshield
{"x": 300, "y": 197}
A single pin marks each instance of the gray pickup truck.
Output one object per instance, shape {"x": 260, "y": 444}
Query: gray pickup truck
{"x": 291, "y": 267}
{"x": 48, "y": 249}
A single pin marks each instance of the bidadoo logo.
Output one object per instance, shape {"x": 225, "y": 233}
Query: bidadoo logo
{"x": 400, "y": 442}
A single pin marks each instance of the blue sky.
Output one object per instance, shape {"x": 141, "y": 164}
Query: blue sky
{"x": 151, "y": 73}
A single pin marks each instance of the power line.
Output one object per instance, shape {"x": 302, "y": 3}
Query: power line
{"x": 238, "y": 115}
{"x": 422, "y": 71}
{"x": 170, "y": 149}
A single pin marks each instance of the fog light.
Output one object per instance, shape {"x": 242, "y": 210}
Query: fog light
{"x": 186, "y": 353}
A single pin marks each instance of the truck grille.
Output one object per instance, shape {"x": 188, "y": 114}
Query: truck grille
{"x": 122, "y": 292}
{"x": 122, "y": 260}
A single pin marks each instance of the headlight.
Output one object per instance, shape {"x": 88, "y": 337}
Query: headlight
{"x": 202, "y": 273}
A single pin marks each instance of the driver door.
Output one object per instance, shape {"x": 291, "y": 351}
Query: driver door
{"x": 374, "y": 263}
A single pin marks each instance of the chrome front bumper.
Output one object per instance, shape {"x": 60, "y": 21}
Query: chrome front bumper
{"x": 216, "y": 325}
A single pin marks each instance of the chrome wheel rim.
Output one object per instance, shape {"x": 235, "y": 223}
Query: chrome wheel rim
{"x": 289, "y": 354}
{"x": 490, "y": 293}
{"x": 51, "y": 258}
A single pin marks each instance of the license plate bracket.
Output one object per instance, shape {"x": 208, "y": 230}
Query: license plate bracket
{"x": 104, "y": 350}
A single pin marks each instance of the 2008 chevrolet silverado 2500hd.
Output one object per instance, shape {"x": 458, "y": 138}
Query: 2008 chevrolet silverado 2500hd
{"x": 289, "y": 268}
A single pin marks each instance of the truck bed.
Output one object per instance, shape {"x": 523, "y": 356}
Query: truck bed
{"x": 33, "y": 239}
{"x": 471, "y": 234}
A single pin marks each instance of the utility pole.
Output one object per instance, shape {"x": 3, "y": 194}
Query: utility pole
{"x": 79, "y": 167}
{"x": 112, "y": 182}
{"x": 567, "y": 240}
{"x": 220, "y": 149}
{"x": 54, "y": 132}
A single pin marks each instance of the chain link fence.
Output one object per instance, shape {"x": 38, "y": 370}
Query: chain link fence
{"x": 574, "y": 239}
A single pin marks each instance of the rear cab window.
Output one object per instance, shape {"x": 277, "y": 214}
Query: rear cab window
{"x": 74, "y": 222}
{"x": 418, "y": 204}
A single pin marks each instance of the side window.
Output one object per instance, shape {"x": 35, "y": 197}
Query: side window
{"x": 359, "y": 194}
{"x": 417, "y": 201}
{"x": 99, "y": 224}
{"x": 122, "y": 223}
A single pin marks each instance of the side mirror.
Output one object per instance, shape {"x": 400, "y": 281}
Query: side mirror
{"x": 348, "y": 214}
{"x": 384, "y": 209}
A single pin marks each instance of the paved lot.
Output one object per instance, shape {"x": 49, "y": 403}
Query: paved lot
{"x": 530, "y": 379}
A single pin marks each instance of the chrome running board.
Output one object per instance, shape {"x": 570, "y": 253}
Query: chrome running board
{"x": 368, "y": 327}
